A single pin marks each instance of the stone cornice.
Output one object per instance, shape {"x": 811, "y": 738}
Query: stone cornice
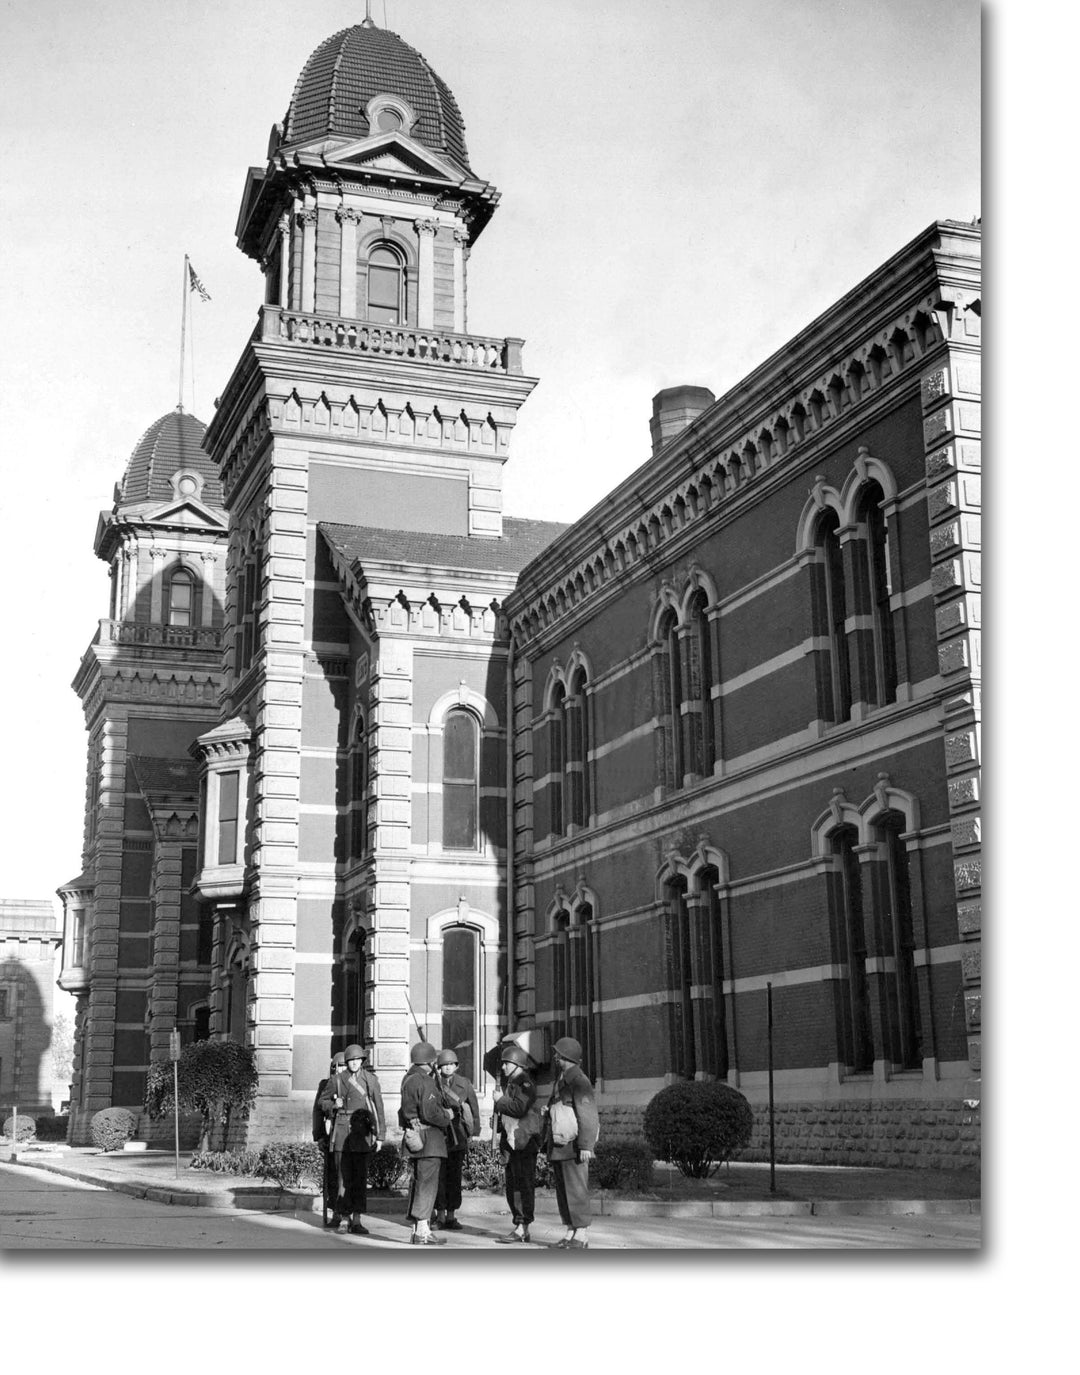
{"x": 817, "y": 385}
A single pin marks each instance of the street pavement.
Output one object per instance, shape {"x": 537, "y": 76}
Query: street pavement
{"x": 40, "y": 1210}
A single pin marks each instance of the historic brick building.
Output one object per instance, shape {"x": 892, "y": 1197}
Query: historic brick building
{"x": 741, "y": 742}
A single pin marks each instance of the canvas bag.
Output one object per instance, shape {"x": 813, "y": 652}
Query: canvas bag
{"x": 521, "y": 1130}
{"x": 564, "y": 1123}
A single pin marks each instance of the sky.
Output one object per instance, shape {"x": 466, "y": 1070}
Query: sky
{"x": 685, "y": 185}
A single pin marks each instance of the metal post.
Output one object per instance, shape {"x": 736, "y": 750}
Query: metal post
{"x": 772, "y": 1115}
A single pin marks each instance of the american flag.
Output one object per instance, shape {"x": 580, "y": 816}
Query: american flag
{"x": 195, "y": 284}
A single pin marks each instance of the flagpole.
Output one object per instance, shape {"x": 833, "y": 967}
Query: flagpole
{"x": 183, "y": 331}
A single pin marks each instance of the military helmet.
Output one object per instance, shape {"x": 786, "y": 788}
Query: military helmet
{"x": 446, "y": 1057}
{"x": 515, "y": 1055}
{"x": 423, "y": 1053}
{"x": 354, "y": 1052}
{"x": 338, "y": 1059}
{"x": 569, "y": 1049}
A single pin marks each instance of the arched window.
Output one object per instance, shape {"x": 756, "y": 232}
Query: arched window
{"x": 705, "y": 675}
{"x": 683, "y": 1047}
{"x": 880, "y": 590}
{"x": 577, "y": 751}
{"x": 182, "y": 599}
{"x": 560, "y": 976}
{"x": 898, "y": 939}
{"x": 461, "y": 792}
{"x": 850, "y": 941}
{"x": 355, "y": 963}
{"x": 670, "y": 686}
{"x": 358, "y": 793}
{"x": 459, "y": 995}
{"x": 839, "y": 676}
{"x": 386, "y": 285}
{"x": 557, "y": 732}
{"x": 715, "y": 1052}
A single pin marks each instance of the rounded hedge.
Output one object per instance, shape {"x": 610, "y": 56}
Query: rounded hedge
{"x": 697, "y": 1125}
{"x": 111, "y": 1127}
{"x": 25, "y": 1130}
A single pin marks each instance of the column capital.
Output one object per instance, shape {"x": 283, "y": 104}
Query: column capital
{"x": 426, "y": 226}
{"x": 348, "y": 214}
{"x": 461, "y": 236}
{"x": 307, "y": 216}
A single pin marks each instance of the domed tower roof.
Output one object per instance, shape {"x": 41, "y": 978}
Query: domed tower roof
{"x": 349, "y": 68}
{"x": 170, "y": 444}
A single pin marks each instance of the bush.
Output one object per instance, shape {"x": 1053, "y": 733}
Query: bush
{"x": 111, "y": 1127}
{"x": 52, "y": 1128}
{"x": 482, "y": 1168}
{"x": 216, "y": 1079}
{"x": 697, "y": 1125}
{"x": 226, "y": 1162}
{"x": 623, "y": 1165}
{"x": 386, "y": 1168}
{"x": 24, "y": 1131}
{"x": 290, "y": 1163}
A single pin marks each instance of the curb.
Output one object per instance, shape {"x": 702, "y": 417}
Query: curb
{"x": 264, "y": 1200}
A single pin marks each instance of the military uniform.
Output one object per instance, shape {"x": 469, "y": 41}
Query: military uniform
{"x": 357, "y": 1124}
{"x": 422, "y": 1103}
{"x": 519, "y": 1145}
{"x": 572, "y": 1173}
{"x": 457, "y": 1091}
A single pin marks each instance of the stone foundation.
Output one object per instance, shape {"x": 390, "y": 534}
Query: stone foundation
{"x": 912, "y": 1135}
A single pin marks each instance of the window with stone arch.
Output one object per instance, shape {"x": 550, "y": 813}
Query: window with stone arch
{"x": 557, "y": 755}
{"x": 576, "y": 736}
{"x": 704, "y": 678}
{"x": 834, "y": 613}
{"x": 386, "y": 284}
{"x": 461, "y": 995}
{"x": 461, "y": 780}
{"x": 850, "y": 945}
{"x": 355, "y": 969}
{"x": 669, "y": 684}
{"x": 680, "y": 970}
{"x": 182, "y": 598}
{"x": 358, "y": 784}
{"x": 881, "y": 675}
{"x": 897, "y": 938}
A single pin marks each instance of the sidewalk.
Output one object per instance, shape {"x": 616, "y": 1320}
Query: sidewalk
{"x": 741, "y": 1190}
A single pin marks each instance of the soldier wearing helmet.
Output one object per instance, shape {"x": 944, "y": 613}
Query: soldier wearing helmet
{"x": 570, "y": 1159}
{"x": 460, "y": 1097}
{"x": 519, "y": 1140}
{"x": 424, "y": 1112}
{"x": 352, "y": 1098}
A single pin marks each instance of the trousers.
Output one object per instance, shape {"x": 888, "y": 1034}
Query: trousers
{"x": 352, "y": 1190}
{"x": 448, "y": 1198}
{"x": 424, "y": 1188}
{"x": 572, "y": 1192}
{"x": 521, "y": 1183}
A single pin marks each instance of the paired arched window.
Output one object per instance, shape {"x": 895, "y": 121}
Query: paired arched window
{"x": 687, "y": 675}
{"x": 386, "y": 285}
{"x": 573, "y": 976}
{"x": 461, "y": 781}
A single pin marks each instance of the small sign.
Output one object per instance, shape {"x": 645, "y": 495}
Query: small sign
{"x": 174, "y": 1044}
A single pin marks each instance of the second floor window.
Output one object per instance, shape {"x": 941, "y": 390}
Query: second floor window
{"x": 461, "y": 792}
{"x": 182, "y": 599}
{"x": 386, "y": 286}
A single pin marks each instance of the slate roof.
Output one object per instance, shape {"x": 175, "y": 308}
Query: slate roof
{"x": 521, "y": 541}
{"x": 344, "y": 72}
{"x": 171, "y": 443}
{"x": 166, "y": 775}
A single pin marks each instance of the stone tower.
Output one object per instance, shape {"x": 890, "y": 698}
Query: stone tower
{"x": 355, "y": 787}
{"x": 134, "y": 955}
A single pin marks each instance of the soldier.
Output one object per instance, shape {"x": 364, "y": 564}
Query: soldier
{"x": 354, "y": 1099}
{"x": 424, "y": 1115}
{"x": 321, "y": 1125}
{"x": 519, "y": 1140}
{"x": 460, "y": 1097}
{"x": 570, "y": 1159}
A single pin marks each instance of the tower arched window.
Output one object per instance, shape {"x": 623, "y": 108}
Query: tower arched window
{"x": 181, "y": 602}
{"x": 461, "y": 790}
{"x": 460, "y": 988}
{"x": 835, "y": 617}
{"x": 386, "y": 285}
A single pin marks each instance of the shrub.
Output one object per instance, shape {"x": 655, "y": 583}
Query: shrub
{"x": 216, "y": 1079}
{"x": 386, "y": 1168}
{"x": 52, "y": 1128}
{"x": 698, "y": 1125}
{"x": 227, "y": 1162}
{"x": 482, "y": 1168}
{"x": 623, "y": 1165}
{"x": 24, "y": 1131}
{"x": 290, "y": 1163}
{"x": 111, "y": 1127}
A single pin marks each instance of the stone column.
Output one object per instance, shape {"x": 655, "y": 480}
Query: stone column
{"x": 308, "y": 220}
{"x": 285, "y": 258}
{"x": 461, "y": 252}
{"x": 349, "y": 219}
{"x": 425, "y": 295}
{"x": 209, "y": 590}
{"x": 951, "y": 393}
{"x": 157, "y": 566}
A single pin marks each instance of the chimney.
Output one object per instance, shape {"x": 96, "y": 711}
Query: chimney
{"x": 673, "y": 409}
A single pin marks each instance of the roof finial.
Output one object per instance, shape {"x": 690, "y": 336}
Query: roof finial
{"x": 368, "y": 23}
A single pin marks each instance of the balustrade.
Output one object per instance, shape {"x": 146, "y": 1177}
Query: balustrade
{"x": 165, "y": 636}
